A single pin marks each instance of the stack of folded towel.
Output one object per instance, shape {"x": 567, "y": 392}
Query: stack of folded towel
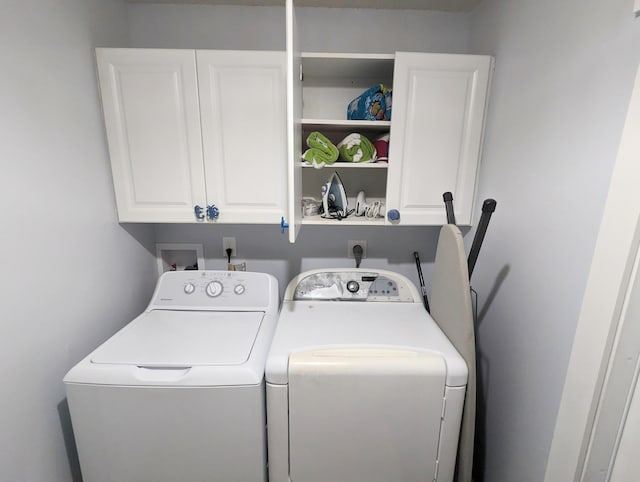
{"x": 353, "y": 148}
{"x": 357, "y": 148}
{"x": 381, "y": 144}
{"x": 321, "y": 150}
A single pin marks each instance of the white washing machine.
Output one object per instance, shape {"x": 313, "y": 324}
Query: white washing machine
{"x": 362, "y": 386}
{"x": 178, "y": 394}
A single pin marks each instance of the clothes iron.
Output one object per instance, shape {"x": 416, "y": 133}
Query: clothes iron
{"x": 334, "y": 198}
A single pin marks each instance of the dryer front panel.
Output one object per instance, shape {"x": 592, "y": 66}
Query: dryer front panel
{"x": 365, "y": 414}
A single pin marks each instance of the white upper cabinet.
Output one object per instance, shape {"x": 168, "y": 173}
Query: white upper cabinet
{"x": 436, "y": 134}
{"x": 196, "y": 136}
{"x": 242, "y": 105}
{"x": 218, "y": 136}
{"x": 150, "y": 103}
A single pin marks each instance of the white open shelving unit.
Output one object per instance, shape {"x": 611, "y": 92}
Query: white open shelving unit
{"x": 330, "y": 82}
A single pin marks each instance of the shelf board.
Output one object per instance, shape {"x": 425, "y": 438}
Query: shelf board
{"x": 351, "y": 165}
{"x": 344, "y": 65}
{"x": 350, "y": 56}
{"x": 367, "y": 124}
{"x": 350, "y": 221}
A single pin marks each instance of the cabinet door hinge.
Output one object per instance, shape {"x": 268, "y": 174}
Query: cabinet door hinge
{"x": 301, "y": 75}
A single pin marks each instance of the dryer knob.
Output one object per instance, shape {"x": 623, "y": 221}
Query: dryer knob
{"x": 214, "y": 289}
{"x": 353, "y": 286}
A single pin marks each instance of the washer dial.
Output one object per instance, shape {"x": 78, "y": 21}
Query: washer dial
{"x": 189, "y": 288}
{"x": 214, "y": 289}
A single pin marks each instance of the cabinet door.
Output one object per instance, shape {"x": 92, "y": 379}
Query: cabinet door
{"x": 242, "y": 106}
{"x": 294, "y": 121}
{"x": 150, "y": 103}
{"x": 436, "y": 134}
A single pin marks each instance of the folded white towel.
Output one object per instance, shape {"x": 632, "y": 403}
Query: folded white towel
{"x": 355, "y": 147}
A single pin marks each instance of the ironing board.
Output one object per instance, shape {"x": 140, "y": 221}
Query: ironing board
{"x": 452, "y": 311}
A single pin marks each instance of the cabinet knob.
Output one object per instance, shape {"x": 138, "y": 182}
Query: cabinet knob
{"x": 283, "y": 225}
{"x": 393, "y": 215}
{"x": 213, "y": 212}
{"x": 198, "y": 211}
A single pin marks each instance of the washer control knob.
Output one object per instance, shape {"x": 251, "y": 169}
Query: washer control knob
{"x": 189, "y": 288}
{"x": 353, "y": 286}
{"x": 238, "y": 289}
{"x": 214, "y": 289}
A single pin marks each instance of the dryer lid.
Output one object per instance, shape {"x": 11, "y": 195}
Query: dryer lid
{"x": 183, "y": 339}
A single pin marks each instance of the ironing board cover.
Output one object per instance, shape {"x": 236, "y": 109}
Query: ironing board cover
{"x": 451, "y": 309}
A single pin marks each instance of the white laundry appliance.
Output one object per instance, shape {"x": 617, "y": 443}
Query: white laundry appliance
{"x": 178, "y": 394}
{"x": 362, "y": 385}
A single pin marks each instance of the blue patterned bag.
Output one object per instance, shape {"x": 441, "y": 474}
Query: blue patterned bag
{"x": 373, "y": 104}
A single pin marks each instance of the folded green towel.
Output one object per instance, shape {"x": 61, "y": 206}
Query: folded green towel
{"x": 357, "y": 148}
{"x": 321, "y": 150}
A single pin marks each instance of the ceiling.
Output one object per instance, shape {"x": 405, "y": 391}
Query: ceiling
{"x": 442, "y": 5}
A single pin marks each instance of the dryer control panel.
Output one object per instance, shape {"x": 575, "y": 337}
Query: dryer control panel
{"x": 356, "y": 285}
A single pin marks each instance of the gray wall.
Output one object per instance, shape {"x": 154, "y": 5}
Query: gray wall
{"x": 563, "y": 79}
{"x": 264, "y": 248}
{"x": 71, "y": 275}
{"x": 321, "y": 29}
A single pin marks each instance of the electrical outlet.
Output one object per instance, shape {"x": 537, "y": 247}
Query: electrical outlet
{"x": 229, "y": 243}
{"x": 352, "y": 243}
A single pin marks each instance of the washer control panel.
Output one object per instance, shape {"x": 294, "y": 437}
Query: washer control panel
{"x": 353, "y": 286}
{"x": 206, "y": 289}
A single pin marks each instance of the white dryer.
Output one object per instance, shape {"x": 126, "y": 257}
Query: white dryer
{"x": 362, "y": 386}
{"x": 178, "y": 393}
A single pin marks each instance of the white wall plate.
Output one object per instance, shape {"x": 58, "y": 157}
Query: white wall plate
{"x": 181, "y": 255}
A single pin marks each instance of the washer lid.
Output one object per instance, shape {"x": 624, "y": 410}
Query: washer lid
{"x": 183, "y": 339}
